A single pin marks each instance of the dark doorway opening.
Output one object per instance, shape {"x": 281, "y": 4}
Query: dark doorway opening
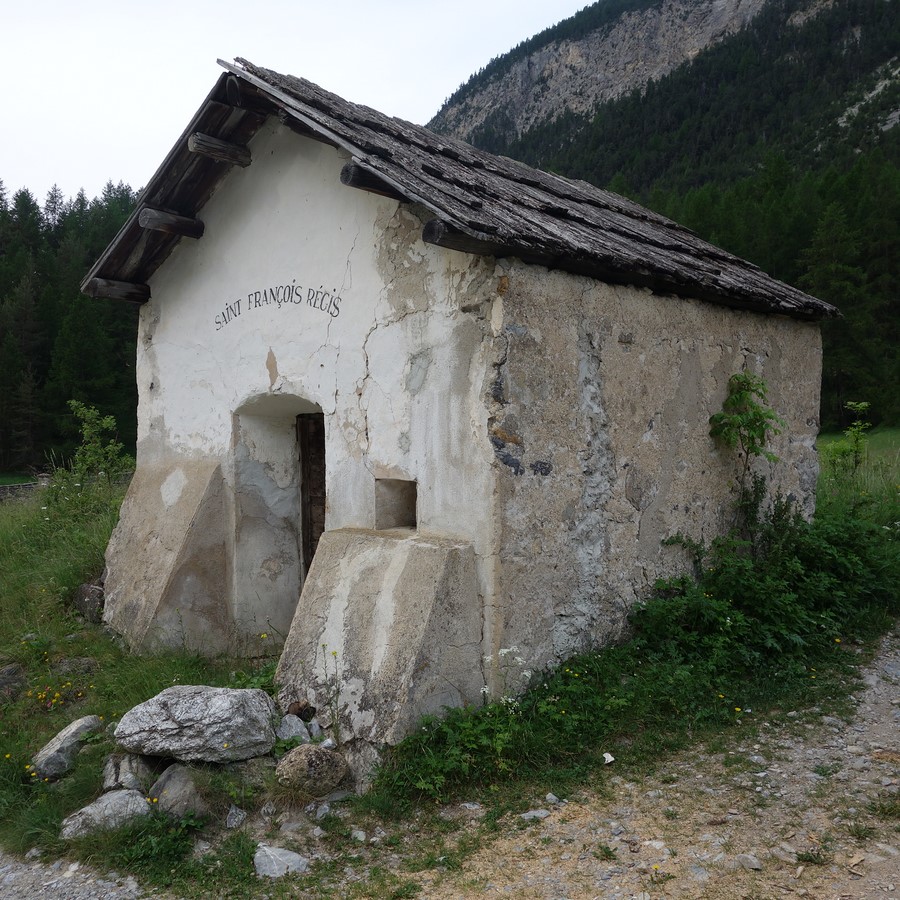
{"x": 311, "y": 442}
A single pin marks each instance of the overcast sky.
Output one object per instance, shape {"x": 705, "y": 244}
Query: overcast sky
{"x": 99, "y": 90}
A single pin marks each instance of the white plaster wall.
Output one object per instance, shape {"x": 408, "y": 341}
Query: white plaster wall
{"x": 372, "y": 333}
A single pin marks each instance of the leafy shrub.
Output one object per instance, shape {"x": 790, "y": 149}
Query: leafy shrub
{"x": 85, "y": 486}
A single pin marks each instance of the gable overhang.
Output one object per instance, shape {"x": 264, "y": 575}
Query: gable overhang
{"x": 481, "y": 204}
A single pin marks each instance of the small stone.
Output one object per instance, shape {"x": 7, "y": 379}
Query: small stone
{"x": 88, "y": 602}
{"x": 276, "y": 862}
{"x": 698, "y": 873}
{"x": 58, "y": 755}
{"x": 746, "y": 861}
{"x": 176, "y": 794}
{"x": 329, "y": 744}
{"x": 323, "y": 810}
{"x": 12, "y": 679}
{"x": 552, "y": 799}
{"x": 235, "y": 817}
{"x": 535, "y": 814}
{"x": 312, "y": 769}
{"x": 126, "y": 770}
{"x": 291, "y": 728}
{"x": 111, "y": 810}
{"x": 267, "y": 811}
{"x": 471, "y": 806}
{"x": 358, "y": 835}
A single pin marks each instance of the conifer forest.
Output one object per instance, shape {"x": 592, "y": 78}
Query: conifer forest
{"x": 779, "y": 144}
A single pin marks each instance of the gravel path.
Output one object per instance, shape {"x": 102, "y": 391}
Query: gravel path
{"x": 785, "y": 813}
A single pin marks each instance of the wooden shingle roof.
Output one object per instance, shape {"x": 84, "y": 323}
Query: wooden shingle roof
{"x": 481, "y": 203}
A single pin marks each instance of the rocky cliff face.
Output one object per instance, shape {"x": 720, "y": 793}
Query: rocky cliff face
{"x": 605, "y": 63}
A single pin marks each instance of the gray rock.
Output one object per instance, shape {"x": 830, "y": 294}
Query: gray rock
{"x": 75, "y": 666}
{"x": 276, "y": 862}
{"x": 267, "y": 811}
{"x": 89, "y": 601}
{"x": 745, "y": 861}
{"x": 125, "y": 770}
{"x": 112, "y": 810}
{"x": 535, "y": 814}
{"x": 12, "y": 679}
{"x": 358, "y": 835}
{"x": 292, "y": 727}
{"x": 235, "y": 817}
{"x": 194, "y": 723}
{"x": 698, "y": 873}
{"x": 175, "y": 793}
{"x": 312, "y": 769}
{"x": 57, "y": 756}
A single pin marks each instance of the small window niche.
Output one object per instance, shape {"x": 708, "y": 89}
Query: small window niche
{"x": 395, "y": 503}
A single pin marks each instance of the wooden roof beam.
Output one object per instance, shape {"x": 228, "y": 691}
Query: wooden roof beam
{"x": 357, "y": 176}
{"x": 441, "y": 234}
{"x": 169, "y": 223}
{"x": 219, "y": 150}
{"x": 106, "y": 289}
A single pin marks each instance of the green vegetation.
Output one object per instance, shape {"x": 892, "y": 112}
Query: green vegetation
{"x": 12, "y": 478}
{"x": 56, "y": 345}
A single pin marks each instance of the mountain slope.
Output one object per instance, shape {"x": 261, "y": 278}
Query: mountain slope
{"x": 601, "y": 53}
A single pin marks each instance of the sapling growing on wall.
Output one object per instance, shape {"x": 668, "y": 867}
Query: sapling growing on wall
{"x": 745, "y": 423}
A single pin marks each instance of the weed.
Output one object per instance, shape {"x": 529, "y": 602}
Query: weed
{"x": 745, "y": 424}
{"x": 261, "y": 678}
{"x": 815, "y": 856}
{"x": 886, "y": 807}
{"x": 605, "y": 852}
{"x": 860, "y": 832}
{"x": 155, "y": 847}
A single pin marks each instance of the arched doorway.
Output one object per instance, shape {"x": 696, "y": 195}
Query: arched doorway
{"x": 278, "y": 475}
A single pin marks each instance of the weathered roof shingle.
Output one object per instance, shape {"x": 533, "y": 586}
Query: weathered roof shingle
{"x": 481, "y": 203}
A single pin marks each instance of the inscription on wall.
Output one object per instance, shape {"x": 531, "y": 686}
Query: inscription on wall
{"x": 281, "y": 296}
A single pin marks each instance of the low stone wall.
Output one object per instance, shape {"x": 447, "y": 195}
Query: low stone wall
{"x": 12, "y": 491}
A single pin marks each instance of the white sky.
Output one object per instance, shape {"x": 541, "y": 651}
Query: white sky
{"x": 99, "y": 90}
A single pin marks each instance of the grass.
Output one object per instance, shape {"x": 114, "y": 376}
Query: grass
{"x": 15, "y": 478}
{"x": 773, "y": 622}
